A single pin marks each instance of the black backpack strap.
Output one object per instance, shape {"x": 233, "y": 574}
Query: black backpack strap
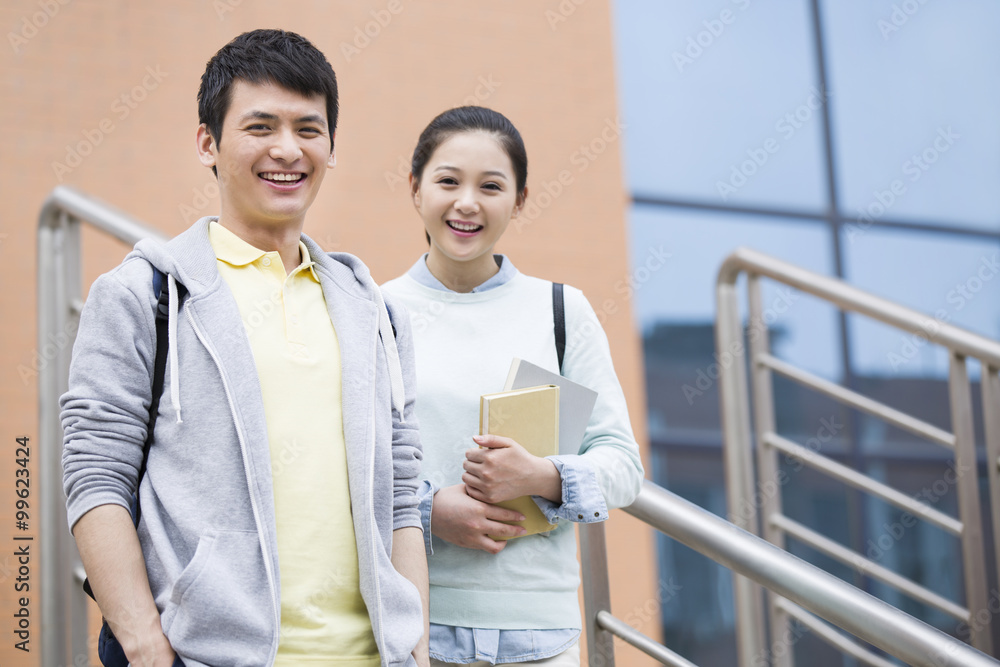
{"x": 160, "y": 288}
{"x": 159, "y": 370}
{"x": 559, "y": 321}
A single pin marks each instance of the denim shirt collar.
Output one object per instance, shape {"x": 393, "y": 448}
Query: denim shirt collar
{"x": 423, "y": 275}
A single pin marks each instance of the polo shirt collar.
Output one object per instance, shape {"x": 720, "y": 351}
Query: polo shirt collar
{"x": 233, "y": 250}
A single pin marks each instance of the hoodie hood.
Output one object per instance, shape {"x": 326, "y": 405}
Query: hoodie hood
{"x": 188, "y": 260}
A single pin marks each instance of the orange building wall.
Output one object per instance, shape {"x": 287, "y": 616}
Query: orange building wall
{"x": 65, "y": 66}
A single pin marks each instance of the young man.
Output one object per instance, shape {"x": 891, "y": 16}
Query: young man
{"x": 279, "y": 521}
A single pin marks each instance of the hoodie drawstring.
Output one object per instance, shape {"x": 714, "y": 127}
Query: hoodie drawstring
{"x": 175, "y": 390}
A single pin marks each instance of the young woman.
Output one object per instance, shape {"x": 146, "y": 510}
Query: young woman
{"x": 472, "y": 312}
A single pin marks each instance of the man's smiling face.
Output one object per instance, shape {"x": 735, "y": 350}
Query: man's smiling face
{"x": 271, "y": 158}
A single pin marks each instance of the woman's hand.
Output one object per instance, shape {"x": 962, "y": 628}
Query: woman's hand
{"x": 467, "y": 522}
{"x": 500, "y": 469}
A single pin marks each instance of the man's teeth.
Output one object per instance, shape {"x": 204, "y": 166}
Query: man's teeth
{"x": 464, "y": 227}
{"x": 281, "y": 177}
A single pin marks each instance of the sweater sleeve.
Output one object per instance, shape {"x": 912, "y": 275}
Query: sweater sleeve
{"x": 105, "y": 410}
{"x": 609, "y": 453}
{"x": 407, "y": 452}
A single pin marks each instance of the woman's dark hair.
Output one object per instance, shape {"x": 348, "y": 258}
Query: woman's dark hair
{"x": 472, "y": 119}
{"x": 260, "y": 57}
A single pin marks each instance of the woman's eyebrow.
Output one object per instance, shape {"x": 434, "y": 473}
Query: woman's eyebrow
{"x": 448, "y": 167}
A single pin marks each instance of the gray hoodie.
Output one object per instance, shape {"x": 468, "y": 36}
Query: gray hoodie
{"x": 208, "y": 526}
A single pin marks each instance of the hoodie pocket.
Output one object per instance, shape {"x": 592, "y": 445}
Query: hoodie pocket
{"x": 222, "y": 610}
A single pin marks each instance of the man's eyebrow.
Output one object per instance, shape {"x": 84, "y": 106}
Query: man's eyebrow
{"x": 263, "y": 115}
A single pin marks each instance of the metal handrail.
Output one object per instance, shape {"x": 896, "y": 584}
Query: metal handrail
{"x": 63, "y": 604}
{"x": 738, "y": 436}
{"x": 807, "y": 586}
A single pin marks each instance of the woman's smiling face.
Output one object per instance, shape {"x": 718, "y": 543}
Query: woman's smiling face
{"x": 466, "y": 197}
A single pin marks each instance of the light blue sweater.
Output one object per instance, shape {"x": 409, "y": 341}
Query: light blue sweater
{"x": 464, "y": 346}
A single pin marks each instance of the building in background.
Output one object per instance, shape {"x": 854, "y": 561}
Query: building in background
{"x": 857, "y": 139}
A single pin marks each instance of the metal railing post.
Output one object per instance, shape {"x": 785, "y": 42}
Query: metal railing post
{"x": 990, "y": 387}
{"x": 63, "y": 605}
{"x": 596, "y": 594}
{"x": 735, "y": 412}
{"x": 967, "y": 479}
{"x": 769, "y": 488}
{"x": 58, "y": 290}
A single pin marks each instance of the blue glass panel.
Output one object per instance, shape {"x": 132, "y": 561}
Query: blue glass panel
{"x": 951, "y": 279}
{"x": 720, "y": 92}
{"x": 915, "y": 103}
{"x": 682, "y": 291}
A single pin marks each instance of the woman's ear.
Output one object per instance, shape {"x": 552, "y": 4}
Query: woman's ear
{"x": 205, "y": 145}
{"x": 519, "y": 202}
{"x": 415, "y": 190}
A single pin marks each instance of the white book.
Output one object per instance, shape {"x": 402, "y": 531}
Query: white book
{"x": 576, "y": 402}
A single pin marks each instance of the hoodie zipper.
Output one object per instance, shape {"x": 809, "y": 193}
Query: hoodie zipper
{"x": 371, "y": 497}
{"x": 246, "y": 470}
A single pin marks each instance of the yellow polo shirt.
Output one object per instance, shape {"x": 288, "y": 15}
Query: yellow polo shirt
{"x": 324, "y": 620}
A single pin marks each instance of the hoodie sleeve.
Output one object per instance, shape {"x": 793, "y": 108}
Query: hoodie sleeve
{"x": 407, "y": 452}
{"x": 106, "y": 408}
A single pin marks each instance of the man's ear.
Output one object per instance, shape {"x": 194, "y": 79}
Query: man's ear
{"x": 332, "y": 162}
{"x": 205, "y": 145}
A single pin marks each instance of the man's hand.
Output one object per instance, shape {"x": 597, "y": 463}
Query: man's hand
{"x": 410, "y": 560}
{"x": 467, "y": 522}
{"x": 112, "y": 557}
{"x": 500, "y": 469}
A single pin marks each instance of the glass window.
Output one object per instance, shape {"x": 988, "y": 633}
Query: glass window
{"x": 719, "y": 100}
{"x": 915, "y": 106}
{"x": 951, "y": 279}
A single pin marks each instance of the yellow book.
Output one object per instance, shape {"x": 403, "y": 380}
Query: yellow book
{"x": 529, "y": 416}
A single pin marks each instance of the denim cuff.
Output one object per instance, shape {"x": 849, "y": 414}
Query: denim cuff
{"x": 582, "y": 500}
{"x": 425, "y": 496}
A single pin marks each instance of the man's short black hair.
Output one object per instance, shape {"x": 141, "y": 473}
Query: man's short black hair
{"x": 260, "y": 57}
